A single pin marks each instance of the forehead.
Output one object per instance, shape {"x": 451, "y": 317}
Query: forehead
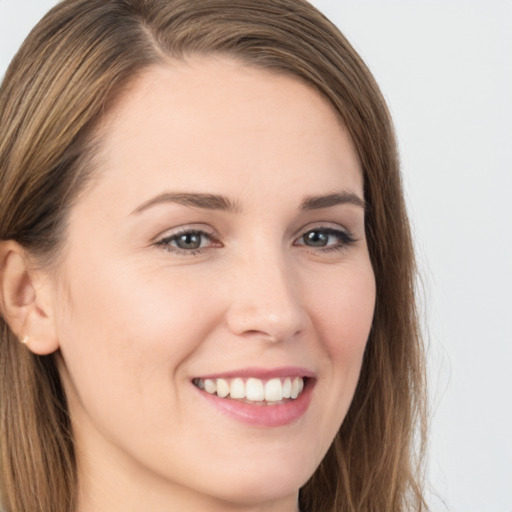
{"x": 214, "y": 119}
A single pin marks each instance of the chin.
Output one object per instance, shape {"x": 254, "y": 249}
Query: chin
{"x": 260, "y": 482}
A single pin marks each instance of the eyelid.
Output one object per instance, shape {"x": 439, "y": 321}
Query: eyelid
{"x": 324, "y": 226}
{"x": 163, "y": 240}
{"x": 345, "y": 235}
{"x": 185, "y": 228}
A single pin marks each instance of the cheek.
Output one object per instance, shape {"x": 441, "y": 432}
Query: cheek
{"x": 132, "y": 329}
{"x": 344, "y": 312}
{"x": 127, "y": 304}
{"x": 129, "y": 335}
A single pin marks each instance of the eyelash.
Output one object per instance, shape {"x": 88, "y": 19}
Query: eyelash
{"x": 345, "y": 239}
{"x": 165, "y": 243}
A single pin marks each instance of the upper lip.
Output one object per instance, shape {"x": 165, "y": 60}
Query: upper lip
{"x": 261, "y": 373}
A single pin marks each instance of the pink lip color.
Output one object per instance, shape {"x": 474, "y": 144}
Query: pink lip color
{"x": 264, "y": 415}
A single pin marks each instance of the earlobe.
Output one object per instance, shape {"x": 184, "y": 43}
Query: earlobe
{"x": 25, "y": 300}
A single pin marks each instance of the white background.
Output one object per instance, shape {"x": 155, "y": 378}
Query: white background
{"x": 445, "y": 68}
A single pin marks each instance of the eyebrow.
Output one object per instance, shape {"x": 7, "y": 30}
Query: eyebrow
{"x": 329, "y": 200}
{"x": 223, "y": 203}
{"x": 205, "y": 201}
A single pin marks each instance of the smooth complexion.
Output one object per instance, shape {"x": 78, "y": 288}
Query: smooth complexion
{"x": 162, "y": 286}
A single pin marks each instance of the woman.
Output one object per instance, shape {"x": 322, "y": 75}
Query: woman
{"x": 206, "y": 258}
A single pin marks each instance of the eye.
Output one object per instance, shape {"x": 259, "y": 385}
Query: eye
{"x": 189, "y": 241}
{"x": 326, "y": 238}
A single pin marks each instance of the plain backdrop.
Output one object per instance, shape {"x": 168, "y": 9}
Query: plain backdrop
{"x": 445, "y": 68}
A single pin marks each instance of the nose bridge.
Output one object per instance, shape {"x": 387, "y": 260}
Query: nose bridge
{"x": 266, "y": 298}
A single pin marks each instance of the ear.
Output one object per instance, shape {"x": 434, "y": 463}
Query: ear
{"x": 26, "y": 299}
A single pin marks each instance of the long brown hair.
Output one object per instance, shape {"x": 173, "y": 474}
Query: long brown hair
{"x": 63, "y": 80}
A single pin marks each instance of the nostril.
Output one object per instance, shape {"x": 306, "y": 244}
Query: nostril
{"x": 263, "y": 335}
{"x": 269, "y": 337}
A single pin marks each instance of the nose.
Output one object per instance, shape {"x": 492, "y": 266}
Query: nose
{"x": 265, "y": 300}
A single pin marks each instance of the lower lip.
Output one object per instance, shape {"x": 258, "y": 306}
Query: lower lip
{"x": 264, "y": 415}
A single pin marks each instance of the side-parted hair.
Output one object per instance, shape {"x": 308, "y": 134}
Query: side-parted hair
{"x": 64, "y": 80}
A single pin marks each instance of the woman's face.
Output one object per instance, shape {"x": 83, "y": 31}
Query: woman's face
{"x": 221, "y": 245}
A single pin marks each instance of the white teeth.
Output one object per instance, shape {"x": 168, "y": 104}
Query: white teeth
{"x": 287, "y": 388}
{"x": 295, "y": 388}
{"x": 237, "y": 388}
{"x": 273, "y": 390}
{"x": 255, "y": 390}
{"x": 210, "y": 386}
{"x": 222, "y": 388}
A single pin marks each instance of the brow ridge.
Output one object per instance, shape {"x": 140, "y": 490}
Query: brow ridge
{"x": 197, "y": 200}
{"x": 329, "y": 200}
{"x": 223, "y": 203}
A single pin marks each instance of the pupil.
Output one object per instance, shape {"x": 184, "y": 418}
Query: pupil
{"x": 189, "y": 241}
{"x": 316, "y": 238}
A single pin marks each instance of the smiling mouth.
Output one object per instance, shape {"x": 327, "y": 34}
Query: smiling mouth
{"x": 254, "y": 391}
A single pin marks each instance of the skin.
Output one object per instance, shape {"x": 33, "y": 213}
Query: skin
{"x": 136, "y": 319}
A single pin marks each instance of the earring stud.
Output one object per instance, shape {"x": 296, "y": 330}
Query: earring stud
{"x": 25, "y": 340}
